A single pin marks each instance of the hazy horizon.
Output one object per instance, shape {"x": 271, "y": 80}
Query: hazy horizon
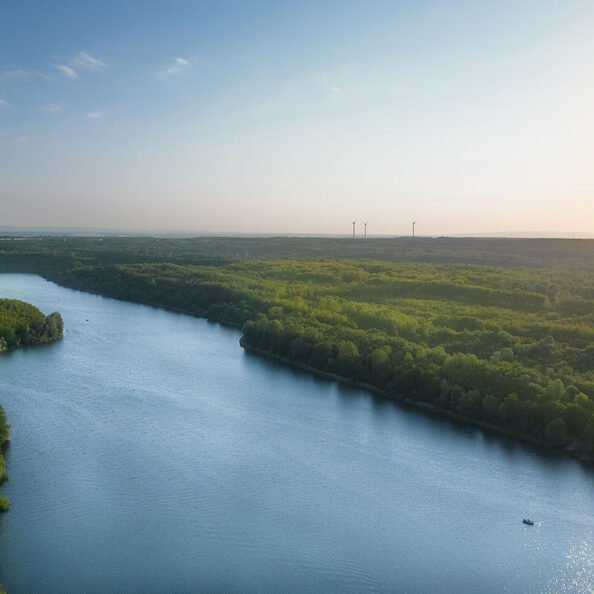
{"x": 273, "y": 118}
{"x": 8, "y": 231}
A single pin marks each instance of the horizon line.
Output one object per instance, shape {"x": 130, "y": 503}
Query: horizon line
{"x": 20, "y": 230}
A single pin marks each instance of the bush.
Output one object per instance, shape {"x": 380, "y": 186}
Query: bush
{"x": 4, "y": 503}
{"x": 556, "y": 432}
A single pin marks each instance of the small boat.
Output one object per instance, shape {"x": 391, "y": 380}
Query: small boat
{"x": 529, "y": 522}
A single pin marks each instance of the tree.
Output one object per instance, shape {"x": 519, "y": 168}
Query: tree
{"x": 4, "y": 427}
{"x": 556, "y": 432}
{"x": 555, "y": 391}
{"x": 380, "y": 362}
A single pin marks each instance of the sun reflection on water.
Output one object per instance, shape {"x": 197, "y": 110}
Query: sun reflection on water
{"x": 577, "y": 573}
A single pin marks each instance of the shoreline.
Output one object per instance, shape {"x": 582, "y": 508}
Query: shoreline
{"x": 569, "y": 449}
{"x": 418, "y": 405}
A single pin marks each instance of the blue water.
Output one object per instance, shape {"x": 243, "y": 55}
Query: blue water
{"x": 150, "y": 453}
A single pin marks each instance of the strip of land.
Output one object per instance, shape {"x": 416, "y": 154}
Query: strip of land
{"x": 509, "y": 345}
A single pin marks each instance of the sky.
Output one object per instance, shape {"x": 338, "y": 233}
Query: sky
{"x": 298, "y": 117}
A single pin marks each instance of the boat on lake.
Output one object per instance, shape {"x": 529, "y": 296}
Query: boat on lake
{"x": 529, "y": 522}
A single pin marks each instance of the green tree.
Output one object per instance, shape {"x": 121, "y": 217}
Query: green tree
{"x": 556, "y": 432}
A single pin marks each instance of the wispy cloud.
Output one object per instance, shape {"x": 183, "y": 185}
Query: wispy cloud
{"x": 69, "y": 72}
{"x": 50, "y": 107}
{"x": 15, "y": 72}
{"x": 175, "y": 68}
{"x": 94, "y": 115}
{"x": 81, "y": 60}
{"x": 40, "y": 74}
{"x": 3, "y": 103}
{"x": 20, "y": 139}
{"x": 84, "y": 60}
{"x": 19, "y": 73}
{"x": 336, "y": 92}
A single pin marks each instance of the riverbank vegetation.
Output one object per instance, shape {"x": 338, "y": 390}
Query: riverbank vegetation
{"x": 22, "y": 324}
{"x": 4, "y": 435}
{"x": 511, "y": 346}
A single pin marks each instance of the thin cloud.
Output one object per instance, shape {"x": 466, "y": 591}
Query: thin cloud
{"x": 3, "y": 103}
{"x": 51, "y": 107}
{"x": 40, "y": 74}
{"x": 15, "y": 72}
{"x": 336, "y": 92}
{"x": 94, "y": 115}
{"x": 84, "y": 60}
{"x": 19, "y": 73}
{"x": 20, "y": 139}
{"x": 69, "y": 72}
{"x": 175, "y": 68}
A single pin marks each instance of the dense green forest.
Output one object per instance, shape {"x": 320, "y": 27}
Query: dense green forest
{"x": 510, "y": 346}
{"x": 566, "y": 254}
{"x": 22, "y": 324}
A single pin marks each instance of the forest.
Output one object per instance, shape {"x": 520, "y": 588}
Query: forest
{"x": 22, "y": 324}
{"x": 510, "y": 346}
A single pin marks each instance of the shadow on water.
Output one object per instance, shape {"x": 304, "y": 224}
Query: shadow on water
{"x": 508, "y": 445}
{"x": 6, "y": 450}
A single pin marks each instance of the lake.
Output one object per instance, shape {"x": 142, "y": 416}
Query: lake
{"x": 150, "y": 453}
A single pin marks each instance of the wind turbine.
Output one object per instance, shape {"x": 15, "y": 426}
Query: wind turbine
{"x": 354, "y": 223}
{"x": 414, "y": 223}
{"x": 365, "y": 229}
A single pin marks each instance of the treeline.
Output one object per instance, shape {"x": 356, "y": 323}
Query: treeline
{"x": 512, "y": 347}
{"x": 553, "y": 254}
{"x": 22, "y": 324}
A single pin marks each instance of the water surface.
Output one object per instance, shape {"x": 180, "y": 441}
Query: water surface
{"x": 150, "y": 453}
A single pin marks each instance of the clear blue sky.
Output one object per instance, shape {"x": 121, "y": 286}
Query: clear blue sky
{"x": 298, "y": 116}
